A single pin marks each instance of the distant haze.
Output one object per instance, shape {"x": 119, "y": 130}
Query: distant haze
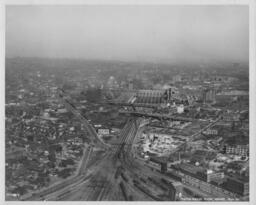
{"x": 144, "y": 33}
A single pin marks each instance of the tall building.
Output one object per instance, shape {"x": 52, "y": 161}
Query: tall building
{"x": 209, "y": 95}
{"x": 130, "y": 87}
{"x": 163, "y": 167}
{"x": 169, "y": 94}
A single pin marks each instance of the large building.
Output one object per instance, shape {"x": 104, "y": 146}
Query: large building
{"x": 237, "y": 186}
{"x": 200, "y": 178}
{"x": 209, "y": 95}
{"x": 153, "y": 96}
{"x": 150, "y": 96}
{"x": 130, "y": 86}
{"x": 233, "y": 95}
{"x": 214, "y": 176}
{"x": 242, "y": 150}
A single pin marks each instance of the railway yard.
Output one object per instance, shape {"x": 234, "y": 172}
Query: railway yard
{"x": 111, "y": 144}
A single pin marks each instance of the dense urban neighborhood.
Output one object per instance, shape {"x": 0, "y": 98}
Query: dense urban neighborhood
{"x": 126, "y": 131}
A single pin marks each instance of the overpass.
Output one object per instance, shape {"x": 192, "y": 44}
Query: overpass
{"x": 133, "y": 105}
{"x": 158, "y": 116}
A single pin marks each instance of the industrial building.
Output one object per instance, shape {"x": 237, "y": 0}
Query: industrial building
{"x": 153, "y": 96}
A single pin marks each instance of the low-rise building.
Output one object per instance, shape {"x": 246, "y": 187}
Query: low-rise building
{"x": 103, "y": 131}
{"x": 211, "y": 132}
{"x": 214, "y": 176}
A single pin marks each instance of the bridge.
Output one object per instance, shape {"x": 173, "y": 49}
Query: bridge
{"x": 158, "y": 116}
{"x": 133, "y": 105}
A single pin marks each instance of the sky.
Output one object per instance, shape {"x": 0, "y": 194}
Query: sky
{"x": 133, "y": 33}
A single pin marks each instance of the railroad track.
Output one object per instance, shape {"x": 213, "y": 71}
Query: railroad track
{"x": 64, "y": 184}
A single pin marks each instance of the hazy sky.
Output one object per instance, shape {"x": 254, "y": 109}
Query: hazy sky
{"x": 128, "y": 32}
